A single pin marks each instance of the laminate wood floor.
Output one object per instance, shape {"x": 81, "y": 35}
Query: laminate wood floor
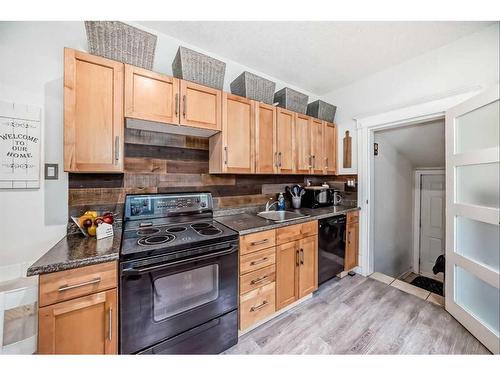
{"x": 358, "y": 315}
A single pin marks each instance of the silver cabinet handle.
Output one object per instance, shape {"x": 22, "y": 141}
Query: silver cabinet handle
{"x": 314, "y": 161}
{"x": 255, "y": 243}
{"x": 255, "y": 262}
{"x": 85, "y": 283}
{"x": 254, "y": 308}
{"x": 226, "y": 157}
{"x": 184, "y": 105}
{"x": 176, "y": 105}
{"x": 258, "y": 280}
{"x": 110, "y": 324}
{"x": 279, "y": 159}
{"x": 117, "y": 149}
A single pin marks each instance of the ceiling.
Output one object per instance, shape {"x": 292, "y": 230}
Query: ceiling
{"x": 317, "y": 56}
{"x": 421, "y": 144}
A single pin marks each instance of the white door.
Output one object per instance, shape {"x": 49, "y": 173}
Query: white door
{"x": 472, "y": 216}
{"x": 431, "y": 221}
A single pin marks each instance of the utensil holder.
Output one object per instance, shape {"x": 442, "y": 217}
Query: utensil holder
{"x": 296, "y": 202}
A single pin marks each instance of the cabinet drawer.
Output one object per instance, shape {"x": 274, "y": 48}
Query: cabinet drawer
{"x": 257, "y": 279}
{"x": 257, "y": 241}
{"x": 257, "y": 305}
{"x": 257, "y": 260}
{"x": 352, "y": 217}
{"x": 64, "y": 285}
{"x": 296, "y": 232}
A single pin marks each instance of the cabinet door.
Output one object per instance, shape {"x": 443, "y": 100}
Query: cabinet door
{"x": 201, "y": 106}
{"x": 285, "y": 134}
{"x": 238, "y": 128}
{"x": 330, "y": 148}
{"x": 93, "y": 113}
{"x": 317, "y": 140}
{"x": 85, "y": 325}
{"x": 151, "y": 96}
{"x": 351, "y": 246}
{"x": 303, "y": 155}
{"x": 308, "y": 265}
{"x": 265, "y": 138}
{"x": 287, "y": 260}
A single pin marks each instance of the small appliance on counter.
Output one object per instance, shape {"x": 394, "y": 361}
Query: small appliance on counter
{"x": 320, "y": 196}
{"x": 178, "y": 277}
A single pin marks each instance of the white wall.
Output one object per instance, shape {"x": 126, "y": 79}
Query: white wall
{"x": 31, "y": 71}
{"x": 393, "y": 175}
{"x": 468, "y": 62}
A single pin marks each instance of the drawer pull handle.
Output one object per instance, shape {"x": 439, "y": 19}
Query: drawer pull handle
{"x": 68, "y": 287}
{"x": 184, "y": 105}
{"x": 255, "y": 308}
{"x": 301, "y": 256}
{"x": 176, "y": 105}
{"x": 258, "y": 261}
{"x": 258, "y": 280}
{"x": 110, "y": 324}
{"x": 255, "y": 243}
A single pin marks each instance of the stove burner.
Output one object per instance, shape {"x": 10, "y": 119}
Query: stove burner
{"x": 212, "y": 231}
{"x": 197, "y": 226}
{"x": 147, "y": 231}
{"x": 156, "y": 240}
{"x": 176, "y": 229}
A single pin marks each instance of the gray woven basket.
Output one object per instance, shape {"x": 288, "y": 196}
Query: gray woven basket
{"x": 322, "y": 110}
{"x": 119, "y": 41}
{"x": 291, "y": 99}
{"x": 253, "y": 87}
{"x": 197, "y": 67}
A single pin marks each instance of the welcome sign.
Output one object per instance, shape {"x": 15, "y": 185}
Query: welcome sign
{"x": 19, "y": 146}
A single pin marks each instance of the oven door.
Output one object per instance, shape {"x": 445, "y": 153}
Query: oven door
{"x": 159, "y": 300}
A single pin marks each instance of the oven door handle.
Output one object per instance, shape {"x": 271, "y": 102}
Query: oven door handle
{"x": 138, "y": 271}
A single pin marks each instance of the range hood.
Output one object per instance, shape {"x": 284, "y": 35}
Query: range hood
{"x": 160, "y": 127}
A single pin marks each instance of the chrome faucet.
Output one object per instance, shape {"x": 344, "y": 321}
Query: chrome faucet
{"x": 269, "y": 205}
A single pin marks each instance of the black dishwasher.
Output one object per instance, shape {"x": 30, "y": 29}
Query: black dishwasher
{"x": 331, "y": 247}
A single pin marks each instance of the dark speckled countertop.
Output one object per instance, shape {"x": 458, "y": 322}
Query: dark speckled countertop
{"x": 246, "y": 223}
{"x": 75, "y": 251}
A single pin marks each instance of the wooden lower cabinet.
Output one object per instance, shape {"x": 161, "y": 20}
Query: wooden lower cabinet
{"x": 296, "y": 270}
{"x": 308, "y": 266}
{"x": 85, "y": 325}
{"x": 352, "y": 241}
{"x": 257, "y": 305}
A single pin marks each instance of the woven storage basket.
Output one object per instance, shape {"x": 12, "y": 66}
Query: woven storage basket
{"x": 322, "y": 110}
{"x": 119, "y": 41}
{"x": 197, "y": 67}
{"x": 291, "y": 99}
{"x": 253, "y": 87}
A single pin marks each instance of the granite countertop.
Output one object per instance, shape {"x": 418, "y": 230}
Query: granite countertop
{"x": 75, "y": 251}
{"x": 246, "y": 223}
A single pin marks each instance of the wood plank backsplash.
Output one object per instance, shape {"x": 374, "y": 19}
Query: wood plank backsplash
{"x": 164, "y": 163}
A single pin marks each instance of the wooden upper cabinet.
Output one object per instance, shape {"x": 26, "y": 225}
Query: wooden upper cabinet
{"x": 93, "y": 113}
{"x": 308, "y": 266}
{"x": 265, "y": 138}
{"x": 238, "y": 129}
{"x": 85, "y": 325}
{"x": 285, "y": 142}
{"x": 303, "y": 155}
{"x": 287, "y": 261}
{"x": 201, "y": 106}
{"x": 151, "y": 96}
{"x": 330, "y": 148}
{"x": 317, "y": 141}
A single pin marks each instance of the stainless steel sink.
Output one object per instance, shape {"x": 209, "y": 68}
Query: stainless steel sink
{"x": 280, "y": 216}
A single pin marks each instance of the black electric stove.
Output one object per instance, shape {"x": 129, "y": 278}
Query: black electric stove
{"x": 178, "y": 276}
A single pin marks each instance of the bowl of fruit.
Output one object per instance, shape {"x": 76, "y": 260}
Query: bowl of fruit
{"x": 90, "y": 220}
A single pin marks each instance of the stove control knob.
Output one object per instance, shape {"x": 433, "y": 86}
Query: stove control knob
{"x": 203, "y": 204}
